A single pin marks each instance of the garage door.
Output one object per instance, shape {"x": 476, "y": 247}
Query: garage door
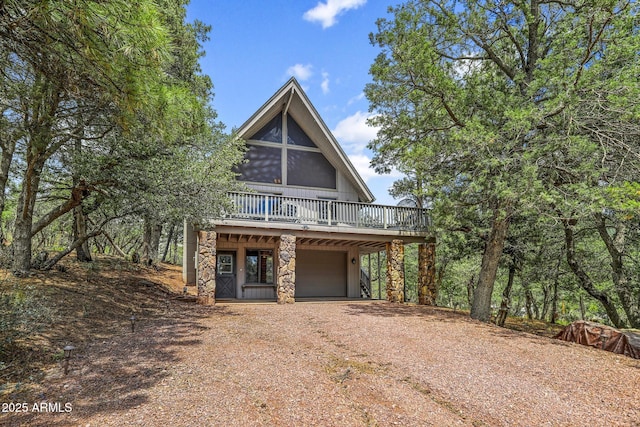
{"x": 321, "y": 274}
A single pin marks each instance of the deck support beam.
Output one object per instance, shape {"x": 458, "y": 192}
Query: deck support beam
{"x": 287, "y": 269}
{"x": 207, "y": 267}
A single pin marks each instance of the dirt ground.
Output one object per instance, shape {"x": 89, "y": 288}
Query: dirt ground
{"x": 320, "y": 363}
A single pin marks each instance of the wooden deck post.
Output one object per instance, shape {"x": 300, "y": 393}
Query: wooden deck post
{"x": 395, "y": 271}
{"x": 287, "y": 269}
{"x": 207, "y": 267}
{"x": 427, "y": 291}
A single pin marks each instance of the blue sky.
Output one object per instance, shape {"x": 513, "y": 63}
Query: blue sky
{"x": 257, "y": 45}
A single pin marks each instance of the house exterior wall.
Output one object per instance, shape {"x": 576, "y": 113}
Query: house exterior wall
{"x": 350, "y": 271}
{"x": 321, "y": 273}
{"x": 288, "y": 150}
{"x": 240, "y": 249}
{"x": 190, "y": 243}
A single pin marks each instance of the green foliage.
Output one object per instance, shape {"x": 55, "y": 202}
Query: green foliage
{"x": 378, "y": 278}
{"x": 104, "y": 106}
{"x": 505, "y": 112}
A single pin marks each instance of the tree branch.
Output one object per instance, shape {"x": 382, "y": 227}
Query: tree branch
{"x": 78, "y": 194}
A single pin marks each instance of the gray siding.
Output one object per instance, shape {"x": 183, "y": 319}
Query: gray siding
{"x": 241, "y": 248}
{"x": 259, "y": 293}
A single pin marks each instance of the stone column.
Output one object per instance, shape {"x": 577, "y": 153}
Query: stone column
{"x": 287, "y": 269}
{"x": 427, "y": 291}
{"x": 207, "y": 267}
{"x": 395, "y": 271}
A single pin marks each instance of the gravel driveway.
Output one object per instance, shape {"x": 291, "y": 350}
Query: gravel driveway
{"x": 338, "y": 364}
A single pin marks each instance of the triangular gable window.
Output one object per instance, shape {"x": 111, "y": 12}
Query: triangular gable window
{"x": 271, "y": 132}
{"x": 296, "y": 136}
{"x": 298, "y": 162}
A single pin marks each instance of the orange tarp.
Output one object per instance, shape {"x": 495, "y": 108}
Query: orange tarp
{"x": 602, "y": 336}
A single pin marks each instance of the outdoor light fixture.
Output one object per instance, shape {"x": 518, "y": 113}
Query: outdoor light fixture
{"x": 353, "y": 261}
{"x": 133, "y": 322}
{"x": 67, "y": 355}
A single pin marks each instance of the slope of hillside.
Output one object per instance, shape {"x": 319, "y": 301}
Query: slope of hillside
{"x": 313, "y": 363}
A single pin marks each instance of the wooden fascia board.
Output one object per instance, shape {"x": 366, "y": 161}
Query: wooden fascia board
{"x": 280, "y": 97}
{"x": 319, "y": 231}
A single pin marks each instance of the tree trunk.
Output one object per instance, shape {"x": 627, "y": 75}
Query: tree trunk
{"x": 83, "y": 253}
{"x": 100, "y": 244}
{"x": 529, "y": 302}
{"x": 481, "y": 307}
{"x": 175, "y": 249}
{"x": 45, "y": 101}
{"x": 8, "y": 149}
{"x": 550, "y": 304}
{"x": 114, "y": 245}
{"x": 583, "y": 278}
{"x": 506, "y": 297}
{"x": 470, "y": 289}
{"x": 624, "y": 289}
{"x": 53, "y": 261}
{"x": 23, "y": 228}
{"x": 151, "y": 241}
{"x": 132, "y": 244}
{"x": 546, "y": 301}
{"x": 169, "y": 239}
{"x": 553, "y": 318}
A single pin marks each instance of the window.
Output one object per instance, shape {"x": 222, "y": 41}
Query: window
{"x": 305, "y": 164}
{"x": 259, "y": 266}
{"x": 296, "y": 136}
{"x": 225, "y": 264}
{"x": 271, "y": 132}
{"x": 264, "y": 165}
{"x": 309, "y": 169}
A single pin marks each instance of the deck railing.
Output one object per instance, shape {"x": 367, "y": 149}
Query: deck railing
{"x": 267, "y": 207}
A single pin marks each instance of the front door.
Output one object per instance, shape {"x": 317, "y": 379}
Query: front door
{"x": 226, "y": 275}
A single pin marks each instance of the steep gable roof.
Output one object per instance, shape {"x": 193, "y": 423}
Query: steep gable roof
{"x": 292, "y": 99}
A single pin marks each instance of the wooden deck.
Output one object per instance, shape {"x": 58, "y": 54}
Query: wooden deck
{"x": 332, "y": 213}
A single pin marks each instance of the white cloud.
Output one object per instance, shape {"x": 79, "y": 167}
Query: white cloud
{"x": 326, "y": 13}
{"x": 355, "y": 99}
{"x": 325, "y": 82}
{"x": 362, "y": 163}
{"x": 354, "y": 131}
{"x": 300, "y": 72}
{"x": 354, "y": 134}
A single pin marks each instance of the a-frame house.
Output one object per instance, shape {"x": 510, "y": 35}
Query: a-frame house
{"x": 302, "y": 229}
